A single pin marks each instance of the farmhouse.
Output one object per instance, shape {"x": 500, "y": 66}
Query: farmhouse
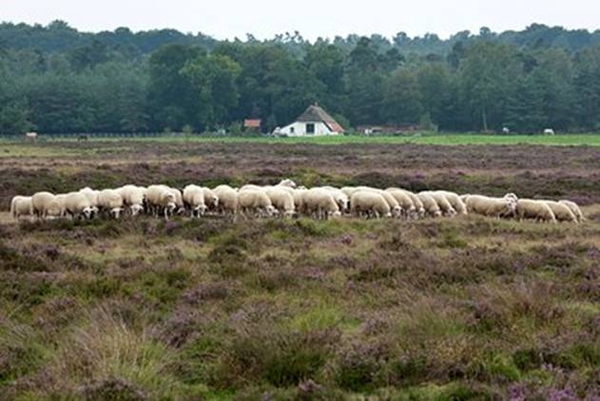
{"x": 314, "y": 121}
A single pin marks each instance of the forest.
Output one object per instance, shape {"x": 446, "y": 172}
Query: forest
{"x": 57, "y": 80}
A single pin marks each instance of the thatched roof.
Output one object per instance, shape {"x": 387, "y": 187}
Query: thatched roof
{"x": 315, "y": 114}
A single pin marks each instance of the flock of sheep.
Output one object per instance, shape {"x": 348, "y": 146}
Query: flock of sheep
{"x": 285, "y": 199}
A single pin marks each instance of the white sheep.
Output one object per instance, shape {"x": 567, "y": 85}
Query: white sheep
{"x": 78, "y": 205}
{"x": 340, "y": 197}
{"x": 395, "y": 207}
{"x": 178, "y": 199}
{"x": 255, "y": 202}
{"x": 193, "y": 198}
{"x": 161, "y": 200}
{"x": 110, "y": 202}
{"x": 91, "y": 194}
{"x": 21, "y": 206}
{"x": 133, "y": 197}
{"x": 534, "y": 209}
{"x": 369, "y": 203}
{"x": 574, "y": 208}
{"x": 491, "y": 207}
{"x": 455, "y": 201}
{"x": 211, "y": 199}
{"x": 419, "y": 207}
{"x": 404, "y": 201}
{"x": 443, "y": 203}
{"x": 287, "y": 183}
{"x": 562, "y": 212}
{"x": 349, "y": 191}
{"x": 298, "y": 196}
{"x": 282, "y": 200}
{"x": 228, "y": 199}
{"x": 430, "y": 206}
{"x": 47, "y": 205}
{"x": 320, "y": 203}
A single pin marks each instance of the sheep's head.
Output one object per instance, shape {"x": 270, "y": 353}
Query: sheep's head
{"x": 335, "y": 214}
{"x": 437, "y": 213}
{"x": 451, "y": 212}
{"x": 271, "y": 211}
{"x": 87, "y": 212}
{"x": 288, "y": 183}
{"x": 116, "y": 212}
{"x": 136, "y": 209}
{"x": 171, "y": 206}
{"x": 511, "y": 205}
{"x": 200, "y": 209}
{"x": 396, "y": 211}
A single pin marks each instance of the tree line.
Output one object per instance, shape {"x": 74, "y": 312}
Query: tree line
{"x": 55, "y": 79}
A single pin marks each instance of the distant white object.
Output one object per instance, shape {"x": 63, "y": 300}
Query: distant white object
{"x": 31, "y": 136}
{"x": 313, "y": 122}
{"x": 505, "y": 130}
{"x": 548, "y": 131}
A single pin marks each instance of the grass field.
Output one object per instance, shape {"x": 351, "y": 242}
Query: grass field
{"x": 465, "y": 308}
{"x": 422, "y": 139}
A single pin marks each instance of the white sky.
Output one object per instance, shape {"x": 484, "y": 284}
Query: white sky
{"x": 223, "y": 19}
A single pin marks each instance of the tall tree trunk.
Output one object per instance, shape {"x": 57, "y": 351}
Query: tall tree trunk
{"x": 484, "y": 119}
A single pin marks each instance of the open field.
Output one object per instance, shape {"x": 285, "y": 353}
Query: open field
{"x": 421, "y": 139}
{"x": 465, "y": 308}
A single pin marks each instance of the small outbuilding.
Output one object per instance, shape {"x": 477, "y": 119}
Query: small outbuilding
{"x": 313, "y": 122}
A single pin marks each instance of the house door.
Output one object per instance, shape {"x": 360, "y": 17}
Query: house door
{"x": 310, "y": 128}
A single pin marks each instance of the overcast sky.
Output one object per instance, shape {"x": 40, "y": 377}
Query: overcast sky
{"x": 223, "y": 19}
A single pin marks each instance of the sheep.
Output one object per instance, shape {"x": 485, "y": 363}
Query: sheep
{"x": 78, "y": 205}
{"x": 47, "y": 205}
{"x": 21, "y": 206}
{"x": 193, "y": 197}
{"x": 299, "y": 203}
{"x": 491, "y": 207}
{"x": 370, "y": 203}
{"x": 211, "y": 199}
{"x": 91, "y": 194}
{"x": 443, "y": 203}
{"x": 320, "y": 203}
{"x": 161, "y": 200}
{"x": 253, "y": 187}
{"x": 349, "y": 191}
{"x": 562, "y": 212}
{"x": 282, "y": 200}
{"x": 339, "y": 196}
{"x": 419, "y": 207}
{"x": 404, "y": 201}
{"x": 286, "y": 182}
{"x": 134, "y": 197}
{"x": 455, "y": 201}
{"x": 255, "y": 201}
{"x": 430, "y": 206}
{"x": 111, "y": 202}
{"x": 178, "y": 199}
{"x": 395, "y": 208}
{"x": 228, "y": 199}
{"x": 574, "y": 208}
{"x": 534, "y": 209}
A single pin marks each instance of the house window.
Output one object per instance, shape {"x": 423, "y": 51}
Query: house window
{"x": 291, "y": 130}
{"x": 310, "y": 128}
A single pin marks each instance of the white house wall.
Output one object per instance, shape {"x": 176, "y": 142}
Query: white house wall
{"x": 299, "y": 129}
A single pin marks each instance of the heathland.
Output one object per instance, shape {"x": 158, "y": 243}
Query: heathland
{"x": 457, "y": 308}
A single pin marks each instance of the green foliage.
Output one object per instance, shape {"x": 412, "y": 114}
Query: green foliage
{"x": 57, "y": 80}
